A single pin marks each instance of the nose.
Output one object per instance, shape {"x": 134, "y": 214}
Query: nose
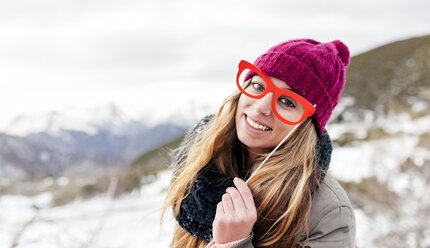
{"x": 264, "y": 105}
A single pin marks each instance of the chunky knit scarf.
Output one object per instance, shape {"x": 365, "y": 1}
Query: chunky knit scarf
{"x": 198, "y": 209}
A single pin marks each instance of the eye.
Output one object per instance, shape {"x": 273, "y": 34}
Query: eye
{"x": 258, "y": 86}
{"x": 287, "y": 102}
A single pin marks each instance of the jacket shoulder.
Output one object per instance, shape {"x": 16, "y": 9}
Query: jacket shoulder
{"x": 330, "y": 195}
{"x": 331, "y": 220}
{"x": 196, "y": 128}
{"x": 199, "y": 125}
{"x": 189, "y": 134}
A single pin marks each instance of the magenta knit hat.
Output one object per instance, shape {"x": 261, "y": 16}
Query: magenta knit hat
{"x": 315, "y": 70}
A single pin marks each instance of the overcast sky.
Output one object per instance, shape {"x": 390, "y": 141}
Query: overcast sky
{"x": 80, "y": 53}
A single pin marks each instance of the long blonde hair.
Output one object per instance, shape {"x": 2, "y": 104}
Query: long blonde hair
{"x": 282, "y": 188}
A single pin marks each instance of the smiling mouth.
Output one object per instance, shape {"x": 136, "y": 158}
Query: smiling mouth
{"x": 255, "y": 125}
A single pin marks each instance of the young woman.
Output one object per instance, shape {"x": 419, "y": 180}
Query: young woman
{"x": 256, "y": 173}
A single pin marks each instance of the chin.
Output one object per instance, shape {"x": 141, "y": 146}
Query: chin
{"x": 246, "y": 140}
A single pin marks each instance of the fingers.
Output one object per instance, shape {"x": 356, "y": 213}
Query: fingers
{"x": 236, "y": 197}
{"x": 227, "y": 203}
{"x": 236, "y": 214}
{"x": 219, "y": 209}
{"x": 245, "y": 192}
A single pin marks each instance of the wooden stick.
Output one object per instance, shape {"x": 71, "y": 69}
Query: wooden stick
{"x": 276, "y": 148}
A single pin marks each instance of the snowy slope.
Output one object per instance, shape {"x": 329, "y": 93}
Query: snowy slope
{"x": 133, "y": 220}
{"x": 130, "y": 221}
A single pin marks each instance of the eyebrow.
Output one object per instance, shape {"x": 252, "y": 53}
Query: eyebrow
{"x": 278, "y": 87}
{"x": 287, "y": 89}
{"x": 291, "y": 90}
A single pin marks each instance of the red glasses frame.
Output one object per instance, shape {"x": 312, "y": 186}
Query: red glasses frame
{"x": 271, "y": 87}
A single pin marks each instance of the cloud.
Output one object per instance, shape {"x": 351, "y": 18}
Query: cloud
{"x": 66, "y": 47}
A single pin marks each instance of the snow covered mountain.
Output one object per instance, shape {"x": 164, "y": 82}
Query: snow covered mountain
{"x": 57, "y": 143}
{"x": 89, "y": 139}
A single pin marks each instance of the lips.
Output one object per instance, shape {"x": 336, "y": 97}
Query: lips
{"x": 258, "y": 122}
{"x": 256, "y": 125}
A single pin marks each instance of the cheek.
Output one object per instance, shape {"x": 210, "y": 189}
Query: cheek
{"x": 239, "y": 109}
{"x": 286, "y": 132}
{"x": 282, "y": 129}
{"x": 243, "y": 102}
{"x": 240, "y": 105}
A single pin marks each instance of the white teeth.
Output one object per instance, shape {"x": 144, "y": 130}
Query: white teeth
{"x": 255, "y": 125}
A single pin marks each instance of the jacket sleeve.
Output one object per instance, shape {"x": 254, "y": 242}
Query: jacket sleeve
{"x": 336, "y": 229}
{"x": 245, "y": 243}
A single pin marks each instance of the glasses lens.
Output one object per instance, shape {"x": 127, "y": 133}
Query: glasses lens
{"x": 289, "y": 108}
{"x": 255, "y": 85}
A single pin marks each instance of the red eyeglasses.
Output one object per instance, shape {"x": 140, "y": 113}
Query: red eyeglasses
{"x": 288, "y": 106}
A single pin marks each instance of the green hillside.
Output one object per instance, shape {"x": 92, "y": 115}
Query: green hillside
{"x": 156, "y": 159}
{"x": 146, "y": 164}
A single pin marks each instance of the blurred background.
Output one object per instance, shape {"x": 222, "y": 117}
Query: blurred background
{"x": 94, "y": 94}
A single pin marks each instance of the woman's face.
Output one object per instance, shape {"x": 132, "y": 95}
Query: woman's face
{"x": 270, "y": 131}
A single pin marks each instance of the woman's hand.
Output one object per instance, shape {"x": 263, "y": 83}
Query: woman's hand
{"x": 235, "y": 214}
